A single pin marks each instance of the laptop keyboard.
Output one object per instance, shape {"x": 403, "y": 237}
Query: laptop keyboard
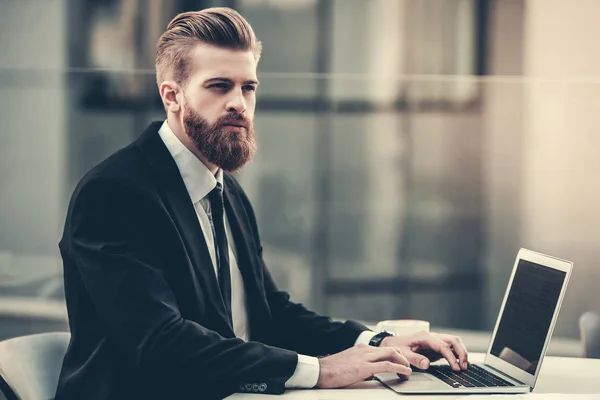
{"x": 474, "y": 376}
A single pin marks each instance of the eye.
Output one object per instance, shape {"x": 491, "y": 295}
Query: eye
{"x": 250, "y": 88}
{"x": 223, "y": 87}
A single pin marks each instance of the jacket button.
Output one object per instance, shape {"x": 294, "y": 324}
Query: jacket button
{"x": 262, "y": 387}
{"x": 248, "y": 387}
{"x": 242, "y": 388}
{"x": 255, "y": 388}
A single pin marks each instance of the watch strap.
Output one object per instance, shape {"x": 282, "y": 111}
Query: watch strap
{"x": 377, "y": 339}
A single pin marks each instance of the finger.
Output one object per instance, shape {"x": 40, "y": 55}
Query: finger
{"x": 399, "y": 358}
{"x": 458, "y": 348}
{"x": 388, "y": 354}
{"x": 449, "y": 355}
{"x": 417, "y": 359}
{"x": 437, "y": 344}
{"x": 388, "y": 366}
{"x": 461, "y": 351}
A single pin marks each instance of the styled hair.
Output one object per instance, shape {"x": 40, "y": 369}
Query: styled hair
{"x": 217, "y": 26}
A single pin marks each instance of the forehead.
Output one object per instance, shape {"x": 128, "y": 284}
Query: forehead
{"x": 210, "y": 62}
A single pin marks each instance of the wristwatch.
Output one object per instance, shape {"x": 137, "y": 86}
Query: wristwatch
{"x": 377, "y": 339}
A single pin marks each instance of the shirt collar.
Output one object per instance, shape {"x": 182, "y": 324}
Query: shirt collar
{"x": 198, "y": 179}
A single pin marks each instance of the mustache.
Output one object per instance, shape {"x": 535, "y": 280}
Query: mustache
{"x": 234, "y": 119}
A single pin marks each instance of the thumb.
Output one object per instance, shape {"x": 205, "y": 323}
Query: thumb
{"x": 417, "y": 360}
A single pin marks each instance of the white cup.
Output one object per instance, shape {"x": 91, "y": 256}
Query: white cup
{"x": 403, "y": 327}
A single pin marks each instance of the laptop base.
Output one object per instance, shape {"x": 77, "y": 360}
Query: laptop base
{"x": 424, "y": 383}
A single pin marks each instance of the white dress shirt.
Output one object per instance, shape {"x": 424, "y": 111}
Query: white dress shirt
{"x": 199, "y": 181}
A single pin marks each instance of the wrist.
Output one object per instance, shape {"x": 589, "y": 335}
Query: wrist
{"x": 323, "y": 372}
{"x": 386, "y": 341}
{"x": 379, "y": 338}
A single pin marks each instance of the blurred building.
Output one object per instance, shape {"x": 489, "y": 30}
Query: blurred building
{"x": 407, "y": 148}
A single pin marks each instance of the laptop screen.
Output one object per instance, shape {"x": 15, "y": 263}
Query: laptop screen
{"x": 527, "y": 315}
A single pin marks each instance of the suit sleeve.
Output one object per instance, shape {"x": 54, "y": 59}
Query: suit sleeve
{"x": 293, "y": 326}
{"x": 304, "y": 331}
{"x": 112, "y": 242}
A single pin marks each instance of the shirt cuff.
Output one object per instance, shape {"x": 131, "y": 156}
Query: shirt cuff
{"x": 306, "y": 375}
{"x": 365, "y": 337}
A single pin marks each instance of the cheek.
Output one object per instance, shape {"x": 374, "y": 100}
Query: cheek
{"x": 251, "y": 106}
{"x": 208, "y": 108}
{"x": 203, "y": 101}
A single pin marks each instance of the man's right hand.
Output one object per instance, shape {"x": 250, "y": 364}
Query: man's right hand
{"x": 359, "y": 363}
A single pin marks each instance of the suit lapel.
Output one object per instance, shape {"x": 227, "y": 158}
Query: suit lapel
{"x": 181, "y": 209}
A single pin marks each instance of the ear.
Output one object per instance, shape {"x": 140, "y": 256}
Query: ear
{"x": 169, "y": 93}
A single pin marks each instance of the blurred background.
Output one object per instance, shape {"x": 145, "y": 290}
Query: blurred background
{"x": 407, "y": 148}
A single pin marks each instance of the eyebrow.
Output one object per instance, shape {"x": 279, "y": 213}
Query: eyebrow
{"x": 227, "y": 80}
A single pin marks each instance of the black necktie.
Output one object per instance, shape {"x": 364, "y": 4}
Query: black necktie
{"x": 221, "y": 247}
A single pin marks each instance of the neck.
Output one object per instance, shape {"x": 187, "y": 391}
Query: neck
{"x": 179, "y": 131}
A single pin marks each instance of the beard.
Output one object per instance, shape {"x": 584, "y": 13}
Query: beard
{"x": 228, "y": 150}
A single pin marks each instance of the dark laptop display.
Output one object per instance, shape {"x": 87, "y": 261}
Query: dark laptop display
{"x": 527, "y": 315}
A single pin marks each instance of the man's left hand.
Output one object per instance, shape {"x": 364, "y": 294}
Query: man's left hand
{"x": 424, "y": 347}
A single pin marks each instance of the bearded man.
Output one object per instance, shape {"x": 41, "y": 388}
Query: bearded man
{"x": 167, "y": 293}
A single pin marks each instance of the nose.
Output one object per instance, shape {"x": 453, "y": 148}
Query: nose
{"x": 236, "y": 103}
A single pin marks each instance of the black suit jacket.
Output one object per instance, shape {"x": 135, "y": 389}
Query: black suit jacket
{"x": 146, "y": 316}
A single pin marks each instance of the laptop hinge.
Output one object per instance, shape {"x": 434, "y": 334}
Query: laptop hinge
{"x": 503, "y": 374}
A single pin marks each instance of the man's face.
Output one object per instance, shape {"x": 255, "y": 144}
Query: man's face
{"x": 220, "y": 98}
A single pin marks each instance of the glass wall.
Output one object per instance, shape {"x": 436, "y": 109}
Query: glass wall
{"x": 397, "y": 175}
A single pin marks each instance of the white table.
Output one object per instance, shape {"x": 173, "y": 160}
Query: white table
{"x": 558, "y": 375}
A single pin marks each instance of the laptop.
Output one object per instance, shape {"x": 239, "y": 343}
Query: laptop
{"x": 523, "y": 329}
